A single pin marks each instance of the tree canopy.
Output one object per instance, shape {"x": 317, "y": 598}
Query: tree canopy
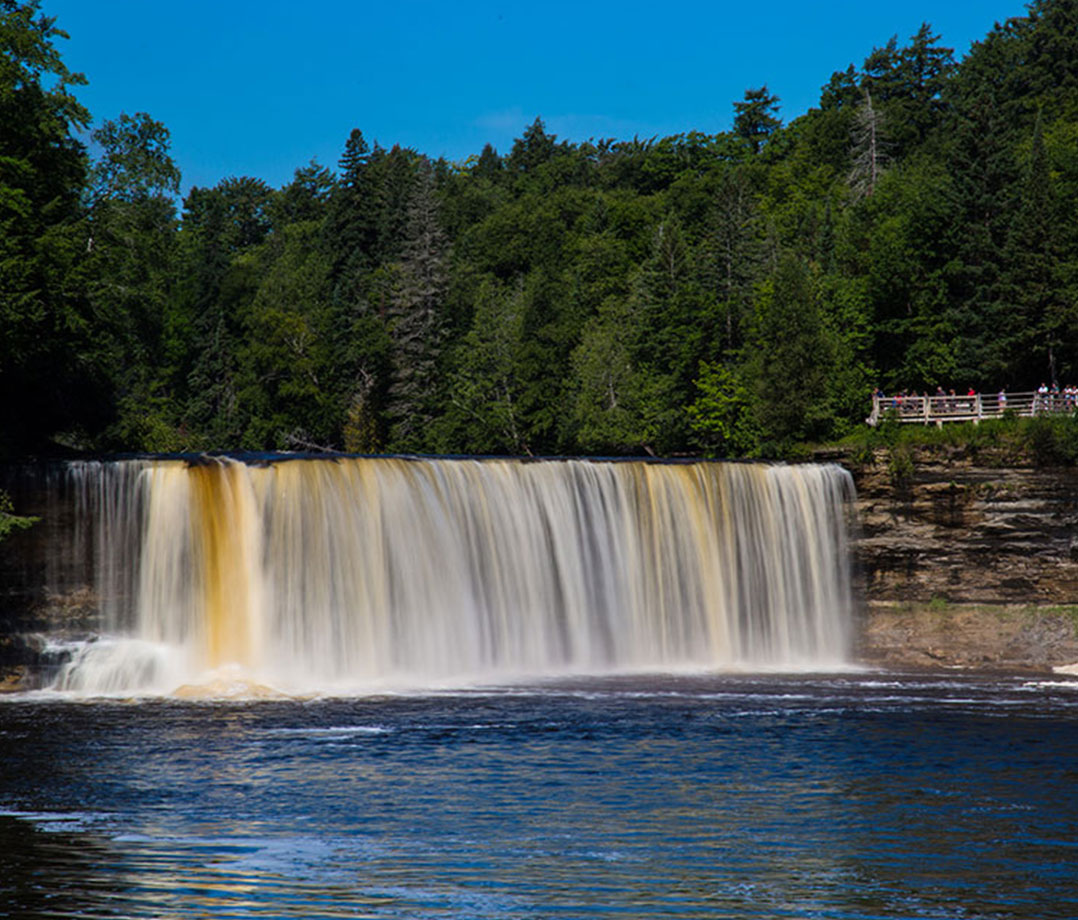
{"x": 733, "y": 293}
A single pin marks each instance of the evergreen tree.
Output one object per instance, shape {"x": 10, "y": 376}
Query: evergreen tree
{"x": 392, "y": 178}
{"x": 131, "y": 252}
{"x": 755, "y": 118}
{"x": 532, "y": 150}
{"x": 351, "y": 227}
{"x": 53, "y": 365}
{"x": 417, "y": 321}
{"x": 733, "y": 253}
{"x": 1031, "y": 286}
{"x": 221, "y": 276}
{"x": 791, "y": 359}
{"x": 489, "y": 166}
{"x": 983, "y": 173}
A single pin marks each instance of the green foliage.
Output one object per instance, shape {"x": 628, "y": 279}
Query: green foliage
{"x": 938, "y": 604}
{"x": 618, "y": 405}
{"x": 1008, "y": 441}
{"x": 755, "y": 119}
{"x": 483, "y": 415}
{"x": 721, "y": 416}
{"x": 51, "y": 361}
{"x": 737, "y": 293}
{"x": 135, "y": 162}
{"x": 9, "y": 521}
{"x": 792, "y": 358}
{"x": 900, "y": 469}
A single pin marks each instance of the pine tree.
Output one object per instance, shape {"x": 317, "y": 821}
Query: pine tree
{"x": 351, "y": 227}
{"x": 1031, "y": 286}
{"x": 733, "y": 253}
{"x": 983, "y": 173}
{"x": 531, "y": 151}
{"x": 416, "y": 321}
{"x": 791, "y": 359}
{"x": 755, "y": 118}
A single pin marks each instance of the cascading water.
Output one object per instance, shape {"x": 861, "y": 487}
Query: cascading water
{"x": 363, "y": 572}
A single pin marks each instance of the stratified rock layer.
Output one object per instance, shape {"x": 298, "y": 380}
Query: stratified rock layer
{"x": 968, "y": 534}
{"x": 966, "y": 565}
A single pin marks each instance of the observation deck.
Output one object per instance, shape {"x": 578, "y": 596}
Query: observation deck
{"x": 935, "y": 410}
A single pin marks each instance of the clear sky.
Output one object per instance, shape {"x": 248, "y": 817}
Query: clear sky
{"x": 260, "y": 87}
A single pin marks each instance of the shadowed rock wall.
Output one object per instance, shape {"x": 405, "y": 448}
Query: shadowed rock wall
{"x": 965, "y": 565}
{"x": 947, "y": 529}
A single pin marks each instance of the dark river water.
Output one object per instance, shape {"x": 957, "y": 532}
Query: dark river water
{"x": 855, "y": 796}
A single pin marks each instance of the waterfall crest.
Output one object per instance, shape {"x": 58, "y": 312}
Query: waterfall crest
{"x": 368, "y": 571}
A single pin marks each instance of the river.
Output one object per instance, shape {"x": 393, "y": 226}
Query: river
{"x": 856, "y": 795}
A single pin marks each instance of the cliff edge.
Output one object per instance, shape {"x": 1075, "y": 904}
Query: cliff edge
{"x": 965, "y": 564}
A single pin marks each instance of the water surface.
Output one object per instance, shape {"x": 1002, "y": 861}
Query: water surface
{"x": 855, "y": 796}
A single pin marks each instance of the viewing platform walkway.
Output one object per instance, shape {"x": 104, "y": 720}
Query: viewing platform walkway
{"x": 935, "y": 410}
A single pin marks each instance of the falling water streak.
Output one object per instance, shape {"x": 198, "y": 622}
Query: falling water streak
{"x": 358, "y": 571}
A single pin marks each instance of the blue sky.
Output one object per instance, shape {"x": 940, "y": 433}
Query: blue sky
{"x": 261, "y": 88}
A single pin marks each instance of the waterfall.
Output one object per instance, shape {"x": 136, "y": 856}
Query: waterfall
{"x": 367, "y": 572}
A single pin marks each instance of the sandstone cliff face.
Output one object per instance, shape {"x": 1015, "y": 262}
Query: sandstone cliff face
{"x": 966, "y": 566}
{"x": 944, "y": 528}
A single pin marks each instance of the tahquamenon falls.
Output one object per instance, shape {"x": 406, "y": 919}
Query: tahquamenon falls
{"x": 354, "y": 574}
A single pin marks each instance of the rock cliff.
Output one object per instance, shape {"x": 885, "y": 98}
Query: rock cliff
{"x": 966, "y": 564}
{"x": 944, "y": 528}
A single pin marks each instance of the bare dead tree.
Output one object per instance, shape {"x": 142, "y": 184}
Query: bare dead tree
{"x": 868, "y": 149}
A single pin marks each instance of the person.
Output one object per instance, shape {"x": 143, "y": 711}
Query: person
{"x": 1001, "y": 400}
{"x": 1041, "y": 403}
{"x": 938, "y": 402}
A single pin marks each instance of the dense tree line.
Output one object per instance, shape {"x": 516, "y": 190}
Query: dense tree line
{"x": 730, "y": 294}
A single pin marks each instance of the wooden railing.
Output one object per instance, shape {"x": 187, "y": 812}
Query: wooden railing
{"x": 935, "y": 410}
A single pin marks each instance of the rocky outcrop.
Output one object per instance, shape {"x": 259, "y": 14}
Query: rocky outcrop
{"x": 938, "y": 527}
{"x": 1001, "y": 637}
{"x": 964, "y": 564}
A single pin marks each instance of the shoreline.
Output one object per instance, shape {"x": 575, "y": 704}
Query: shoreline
{"x": 976, "y": 637}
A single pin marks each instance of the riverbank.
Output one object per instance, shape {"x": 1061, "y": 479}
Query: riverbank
{"x": 1000, "y": 637}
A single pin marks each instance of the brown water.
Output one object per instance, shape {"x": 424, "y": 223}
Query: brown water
{"x": 362, "y": 573}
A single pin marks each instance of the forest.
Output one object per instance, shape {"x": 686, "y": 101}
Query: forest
{"x": 731, "y": 294}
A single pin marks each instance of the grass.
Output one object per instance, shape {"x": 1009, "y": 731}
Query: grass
{"x": 1013, "y": 441}
{"x": 938, "y": 604}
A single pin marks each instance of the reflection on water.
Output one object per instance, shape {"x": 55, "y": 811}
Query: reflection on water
{"x": 843, "y": 797}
